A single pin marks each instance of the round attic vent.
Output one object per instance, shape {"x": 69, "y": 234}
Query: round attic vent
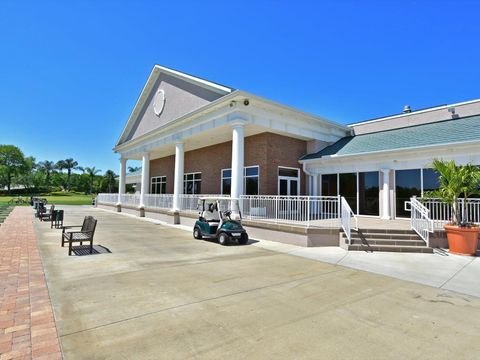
{"x": 159, "y": 102}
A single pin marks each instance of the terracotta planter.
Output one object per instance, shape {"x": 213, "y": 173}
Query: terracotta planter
{"x": 462, "y": 240}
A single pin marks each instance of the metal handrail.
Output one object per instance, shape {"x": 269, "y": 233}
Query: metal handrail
{"x": 346, "y": 219}
{"x": 420, "y": 220}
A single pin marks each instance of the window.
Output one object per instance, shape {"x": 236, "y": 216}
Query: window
{"x": 251, "y": 180}
{"x": 288, "y": 181}
{"x": 348, "y": 189}
{"x": 368, "y": 192}
{"x": 329, "y": 185}
{"x": 159, "y": 185}
{"x": 408, "y": 183}
{"x": 192, "y": 183}
{"x": 250, "y": 183}
{"x": 226, "y": 181}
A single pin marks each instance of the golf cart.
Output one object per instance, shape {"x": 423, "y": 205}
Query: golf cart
{"x": 213, "y": 223}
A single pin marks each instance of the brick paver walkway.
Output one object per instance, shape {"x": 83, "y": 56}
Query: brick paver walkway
{"x": 27, "y": 326}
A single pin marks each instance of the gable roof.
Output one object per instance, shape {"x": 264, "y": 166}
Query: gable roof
{"x": 443, "y": 132}
{"x": 149, "y": 87}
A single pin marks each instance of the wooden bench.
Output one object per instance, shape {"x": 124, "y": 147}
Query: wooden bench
{"x": 47, "y": 215}
{"x": 87, "y": 230}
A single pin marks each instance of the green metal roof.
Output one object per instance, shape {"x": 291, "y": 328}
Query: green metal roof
{"x": 442, "y": 132}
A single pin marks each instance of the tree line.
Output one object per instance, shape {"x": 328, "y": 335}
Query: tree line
{"x": 22, "y": 174}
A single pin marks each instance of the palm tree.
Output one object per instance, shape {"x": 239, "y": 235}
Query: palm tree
{"x": 110, "y": 179}
{"x": 91, "y": 171}
{"x": 132, "y": 169}
{"x": 70, "y": 165}
{"x": 47, "y": 167}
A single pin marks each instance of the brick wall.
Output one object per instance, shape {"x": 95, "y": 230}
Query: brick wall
{"x": 266, "y": 150}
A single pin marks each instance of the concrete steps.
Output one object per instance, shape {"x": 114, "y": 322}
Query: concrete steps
{"x": 385, "y": 240}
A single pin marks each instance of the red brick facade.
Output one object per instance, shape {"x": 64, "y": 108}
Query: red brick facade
{"x": 267, "y": 150}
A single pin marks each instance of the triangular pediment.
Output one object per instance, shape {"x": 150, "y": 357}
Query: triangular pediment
{"x": 167, "y": 96}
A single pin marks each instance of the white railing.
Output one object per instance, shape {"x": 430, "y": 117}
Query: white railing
{"x": 346, "y": 219}
{"x": 107, "y": 198}
{"x": 420, "y": 220}
{"x": 319, "y": 211}
{"x": 442, "y": 213}
{"x": 162, "y": 201}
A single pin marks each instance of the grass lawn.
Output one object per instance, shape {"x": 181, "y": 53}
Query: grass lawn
{"x": 57, "y": 199}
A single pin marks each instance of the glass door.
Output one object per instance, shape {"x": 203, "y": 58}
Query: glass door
{"x": 287, "y": 186}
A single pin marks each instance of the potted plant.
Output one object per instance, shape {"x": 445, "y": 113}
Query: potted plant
{"x": 456, "y": 181}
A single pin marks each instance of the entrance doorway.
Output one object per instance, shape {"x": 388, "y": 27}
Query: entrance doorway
{"x": 288, "y": 181}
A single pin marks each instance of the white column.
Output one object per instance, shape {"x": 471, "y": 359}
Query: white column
{"x": 237, "y": 160}
{"x": 145, "y": 178}
{"x": 121, "y": 182}
{"x": 179, "y": 167}
{"x": 315, "y": 185}
{"x": 386, "y": 194}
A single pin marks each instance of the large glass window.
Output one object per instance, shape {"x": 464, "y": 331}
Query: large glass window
{"x": 407, "y": 184}
{"x": 329, "y": 185}
{"x": 251, "y": 176}
{"x": 368, "y": 192}
{"x": 158, "y": 185}
{"x": 348, "y": 189}
{"x": 192, "y": 183}
{"x": 430, "y": 180}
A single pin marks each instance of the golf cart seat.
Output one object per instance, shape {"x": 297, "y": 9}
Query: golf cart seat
{"x": 211, "y": 214}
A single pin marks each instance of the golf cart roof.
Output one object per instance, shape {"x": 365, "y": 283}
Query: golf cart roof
{"x": 215, "y": 198}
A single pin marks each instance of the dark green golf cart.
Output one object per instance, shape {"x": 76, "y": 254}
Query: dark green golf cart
{"x": 213, "y": 223}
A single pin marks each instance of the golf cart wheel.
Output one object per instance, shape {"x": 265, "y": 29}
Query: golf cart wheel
{"x": 223, "y": 239}
{"x": 243, "y": 239}
{"x": 197, "y": 234}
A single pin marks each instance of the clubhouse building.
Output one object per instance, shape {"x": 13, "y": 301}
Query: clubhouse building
{"x": 195, "y": 137}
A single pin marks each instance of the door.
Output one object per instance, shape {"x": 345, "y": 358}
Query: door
{"x": 287, "y": 186}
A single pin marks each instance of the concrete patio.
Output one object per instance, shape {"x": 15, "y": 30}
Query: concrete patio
{"x": 161, "y": 294}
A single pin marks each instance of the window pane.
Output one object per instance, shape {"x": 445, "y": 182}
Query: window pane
{"x": 329, "y": 185}
{"x": 348, "y": 189}
{"x": 251, "y": 171}
{"x": 293, "y": 187}
{"x": 251, "y": 186}
{"x": 226, "y": 186}
{"x": 164, "y": 188}
{"x": 407, "y": 184}
{"x": 189, "y": 176}
{"x": 198, "y": 176}
{"x": 152, "y": 191}
{"x": 197, "y": 187}
{"x": 283, "y": 187}
{"x": 189, "y": 187}
{"x": 227, "y": 173}
{"x": 287, "y": 172}
{"x": 430, "y": 180}
{"x": 368, "y": 188}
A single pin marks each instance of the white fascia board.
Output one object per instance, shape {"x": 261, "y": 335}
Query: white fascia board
{"x": 296, "y": 112}
{"x": 195, "y": 80}
{"x": 330, "y": 158}
{"x": 413, "y": 113}
{"x": 138, "y": 105}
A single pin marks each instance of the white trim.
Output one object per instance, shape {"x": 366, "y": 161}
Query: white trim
{"x": 441, "y": 107}
{"x": 194, "y": 79}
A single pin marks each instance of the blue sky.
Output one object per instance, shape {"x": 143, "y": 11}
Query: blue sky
{"x": 70, "y": 72}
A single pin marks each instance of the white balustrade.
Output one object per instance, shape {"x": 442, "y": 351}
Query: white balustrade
{"x": 321, "y": 211}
